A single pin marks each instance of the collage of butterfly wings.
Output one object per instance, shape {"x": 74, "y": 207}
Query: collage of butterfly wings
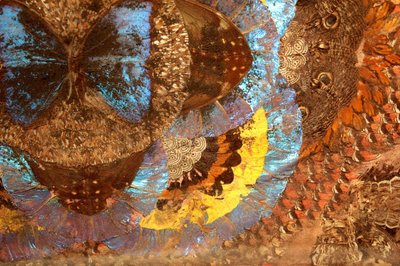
{"x": 173, "y": 127}
{"x": 200, "y": 172}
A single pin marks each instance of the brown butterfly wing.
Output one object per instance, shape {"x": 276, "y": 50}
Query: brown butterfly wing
{"x": 221, "y": 56}
{"x": 5, "y": 198}
{"x": 209, "y": 173}
{"x": 86, "y": 190}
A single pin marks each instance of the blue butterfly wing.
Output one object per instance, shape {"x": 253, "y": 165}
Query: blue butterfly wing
{"x": 34, "y": 63}
{"x": 116, "y": 53}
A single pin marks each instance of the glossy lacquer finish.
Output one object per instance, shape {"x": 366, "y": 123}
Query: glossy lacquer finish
{"x": 36, "y": 66}
{"x": 130, "y": 200}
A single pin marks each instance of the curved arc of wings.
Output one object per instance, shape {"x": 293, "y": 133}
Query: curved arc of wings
{"x": 122, "y": 230}
{"x": 284, "y": 137}
{"x": 363, "y": 130}
{"x": 252, "y": 153}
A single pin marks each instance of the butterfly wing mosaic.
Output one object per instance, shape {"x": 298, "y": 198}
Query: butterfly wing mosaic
{"x": 343, "y": 56}
{"x": 165, "y": 124}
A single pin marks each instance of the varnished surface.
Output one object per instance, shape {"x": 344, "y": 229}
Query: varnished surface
{"x": 340, "y": 205}
{"x": 85, "y": 121}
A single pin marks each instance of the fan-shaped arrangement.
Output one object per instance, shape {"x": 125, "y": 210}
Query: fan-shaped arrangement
{"x": 166, "y": 124}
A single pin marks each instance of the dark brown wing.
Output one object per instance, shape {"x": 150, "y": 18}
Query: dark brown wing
{"x": 221, "y": 56}
{"x": 86, "y": 190}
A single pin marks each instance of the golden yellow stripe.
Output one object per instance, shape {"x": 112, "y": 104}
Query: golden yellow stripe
{"x": 200, "y": 208}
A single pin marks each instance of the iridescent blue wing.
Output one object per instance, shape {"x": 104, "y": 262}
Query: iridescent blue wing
{"x": 116, "y": 55}
{"x": 34, "y": 63}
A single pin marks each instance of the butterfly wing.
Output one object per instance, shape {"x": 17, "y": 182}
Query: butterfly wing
{"x": 318, "y": 59}
{"x": 116, "y": 54}
{"x": 130, "y": 57}
{"x": 204, "y": 163}
{"x": 362, "y": 133}
{"x": 259, "y": 177}
{"x": 208, "y": 172}
{"x": 257, "y": 26}
{"x": 20, "y": 236}
{"x": 33, "y": 63}
{"x": 221, "y": 56}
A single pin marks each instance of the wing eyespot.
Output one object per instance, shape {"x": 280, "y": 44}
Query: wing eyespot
{"x": 305, "y": 112}
{"x": 326, "y": 78}
{"x": 331, "y": 21}
{"x": 323, "y": 80}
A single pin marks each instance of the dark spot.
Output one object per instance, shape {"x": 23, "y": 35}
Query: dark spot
{"x": 67, "y": 40}
{"x": 325, "y": 78}
{"x": 161, "y": 203}
{"x": 95, "y": 6}
{"x": 331, "y": 20}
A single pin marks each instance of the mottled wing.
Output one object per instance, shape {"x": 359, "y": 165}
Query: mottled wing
{"x": 221, "y": 56}
{"x": 37, "y": 224}
{"x": 116, "y": 58}
{"x": 202, "y": 163}
{"x": 210, "y": 177}
{"x": 259, "y": 28}
{"x": 318, "y": 59}
{"x": 87, "y": 191}
{"x": 33, "y": 63}
{"x": 358, "y": 137}
{"x": 137, "y": 58}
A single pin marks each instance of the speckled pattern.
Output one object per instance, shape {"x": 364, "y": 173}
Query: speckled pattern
{"x": 73, "y": 193}
{"x": 308, "y": 140}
